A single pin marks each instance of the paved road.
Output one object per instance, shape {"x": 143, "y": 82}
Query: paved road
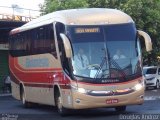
{"x": 14, "y": 110}
{"x": 152, "y": 94}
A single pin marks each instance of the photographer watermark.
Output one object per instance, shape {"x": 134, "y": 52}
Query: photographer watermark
{"x": 9, "y": 117}
{"x": 139, "y": 116}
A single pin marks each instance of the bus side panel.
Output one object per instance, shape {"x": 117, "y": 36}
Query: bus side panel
{"x": 40, "y": 95}
{"x": 15, "y": 90}
{"x": 14, "y": 82}
{"x": 36, "y": 73}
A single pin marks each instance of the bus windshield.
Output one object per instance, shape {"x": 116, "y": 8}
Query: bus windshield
{"x": 105, "y": 52}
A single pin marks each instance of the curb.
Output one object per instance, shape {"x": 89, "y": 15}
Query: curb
{"x": 152, "y": 98}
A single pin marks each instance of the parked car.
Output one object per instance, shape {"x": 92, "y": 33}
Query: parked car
{"x": 152, "y": 76}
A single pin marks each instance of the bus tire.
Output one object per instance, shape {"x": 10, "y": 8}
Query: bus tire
{"x": 23, "y": 99}
{"x": 120, "y": 108}
{"x": 58, "y": 101}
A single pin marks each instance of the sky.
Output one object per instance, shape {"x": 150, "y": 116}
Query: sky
{"x": 28, "y": 4}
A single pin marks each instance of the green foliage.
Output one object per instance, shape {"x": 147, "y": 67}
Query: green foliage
{"x": 54, "y": 5}
{"x": 145, "y": 13}
{"x": 106, "y": 3}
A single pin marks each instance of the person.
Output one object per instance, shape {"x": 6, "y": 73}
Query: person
{"x": 80, "y": 63}
{"x": 8, "y": 84}
{"x": 81, "y": 60}
{"x": 119, "y": 55}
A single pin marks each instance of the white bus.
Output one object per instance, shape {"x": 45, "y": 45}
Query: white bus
{"x": 46, "y": 68}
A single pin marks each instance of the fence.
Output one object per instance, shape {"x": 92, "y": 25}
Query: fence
{"x": 17, "y": 14}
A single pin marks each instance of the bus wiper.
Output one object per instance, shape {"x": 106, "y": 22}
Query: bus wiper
{"x": 104, "y": 60}
{"x": 100, "y": 68}
{"x": 113, "y": 62}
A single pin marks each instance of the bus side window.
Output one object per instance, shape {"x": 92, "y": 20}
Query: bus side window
{"x": 33, "y": 38}
{"x": 39, "y": 42}
{"x": 28, "y": 42}
{"x": 59, "y": 29}
{"x": 51, "y": 40}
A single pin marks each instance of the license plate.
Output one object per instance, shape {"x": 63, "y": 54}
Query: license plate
{"x": 111, "y": 101}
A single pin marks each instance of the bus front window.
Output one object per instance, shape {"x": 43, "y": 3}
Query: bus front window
{"x": 123, "y": 58}
{"x": 88, "y": 50}
{"x": 88, "y": 58}
{"x": 109, "y": 53}
{"x": 123, "y": 51}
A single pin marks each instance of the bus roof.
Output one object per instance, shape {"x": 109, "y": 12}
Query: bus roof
{"x": 87, "y": 16}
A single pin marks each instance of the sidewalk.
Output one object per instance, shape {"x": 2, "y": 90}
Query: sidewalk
{"x": 152, "y": 98}
{"x": 5, "y": 94}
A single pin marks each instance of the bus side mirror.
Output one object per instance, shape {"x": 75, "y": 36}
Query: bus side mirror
{"x": 147, "y": 39}
{"x": 67, "y": 45}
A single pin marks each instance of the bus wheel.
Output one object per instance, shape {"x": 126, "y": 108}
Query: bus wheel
{"x": 58, "y": 101}
{"x": 120, "y": 108}
{"x": 24, "y": 102}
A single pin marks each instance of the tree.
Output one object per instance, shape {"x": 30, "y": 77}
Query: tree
{"x": 106, "y": 3}
{"x": 54, "y": 5}
{"x": 145, "y": 13}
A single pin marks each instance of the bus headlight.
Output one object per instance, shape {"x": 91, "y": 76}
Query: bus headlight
{"x": 81, "y": 90}
{"x": 138, "y": 86}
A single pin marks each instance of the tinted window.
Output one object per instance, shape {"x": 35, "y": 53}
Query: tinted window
{"x": 144, "y": 71}
{"x": 151, "y": 71}
{"x": 124, "y": 32}
{"x": 159, "y": 71}
{"x": 36, "y": 41}
{"x": 112, "y": 47}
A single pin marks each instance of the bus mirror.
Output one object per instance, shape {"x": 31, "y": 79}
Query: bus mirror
{"x": 147, "y": 39}
{"x": 67, "y": 45}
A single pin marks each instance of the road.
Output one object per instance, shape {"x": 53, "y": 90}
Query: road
{"x": 11, "y": 109}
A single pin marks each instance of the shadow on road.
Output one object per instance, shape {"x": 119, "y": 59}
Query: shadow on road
{"x": 78, "y": 114}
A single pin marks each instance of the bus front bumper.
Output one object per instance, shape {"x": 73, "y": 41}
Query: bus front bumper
{"x": 83, "y": 101}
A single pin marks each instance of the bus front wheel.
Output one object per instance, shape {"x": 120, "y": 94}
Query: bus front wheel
{"x": 58, "y": 101}
{"x": 23, "y": 99}
{"x": 120, "y": 108}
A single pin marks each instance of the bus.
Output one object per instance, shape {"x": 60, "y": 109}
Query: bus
{"x": 44, "y": 65}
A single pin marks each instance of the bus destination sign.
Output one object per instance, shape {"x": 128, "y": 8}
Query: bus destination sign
{"x": 87, "y": 30}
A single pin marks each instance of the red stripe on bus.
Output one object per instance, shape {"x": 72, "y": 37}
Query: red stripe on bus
{"x": 37, "y": 77}
{"x": 38, "y": 85}
{"x": 65, "y": 86}
{"x": 110, "y": 84}
{"x": 13, "y": 78}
